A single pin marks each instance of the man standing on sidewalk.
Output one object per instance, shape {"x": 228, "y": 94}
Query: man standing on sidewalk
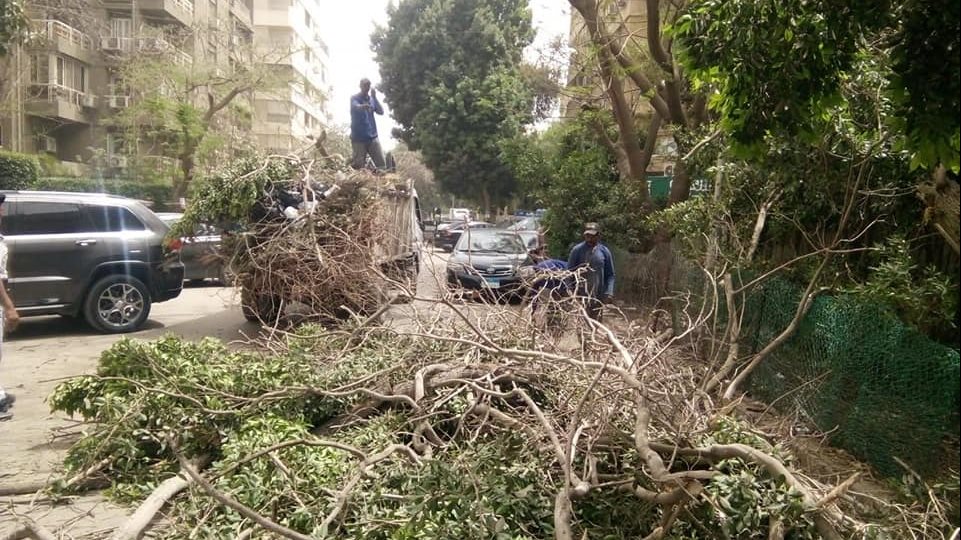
{"x": 596, "y": 286}
{"x": 363, "y": 127}
{"x": 9, "y": 318}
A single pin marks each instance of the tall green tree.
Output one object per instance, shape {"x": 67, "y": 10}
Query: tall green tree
{"x": 193, "y": 111}
{"x": 452, "y": 72}
{"x": 786, "y": 72}
{"x": 13, "y": 24}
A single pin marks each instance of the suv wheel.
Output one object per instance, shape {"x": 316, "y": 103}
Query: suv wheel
{"x": 117, "y": 304}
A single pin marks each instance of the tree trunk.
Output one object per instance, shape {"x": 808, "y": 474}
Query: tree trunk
{"x": 614, "y": 85}
{"x": 680, "y": 184}
{"x": 486, "y": 199}
{"x": 187, "y": 166}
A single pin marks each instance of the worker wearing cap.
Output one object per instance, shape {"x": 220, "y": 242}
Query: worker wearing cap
{"x": 8, "y": 316}
{"x": 596, "y": 285}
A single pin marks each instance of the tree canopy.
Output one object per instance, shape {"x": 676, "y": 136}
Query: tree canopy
{"x": 13, "y": 23}
{"x": 452, "y": 72}
{"x": 779, "y": 65}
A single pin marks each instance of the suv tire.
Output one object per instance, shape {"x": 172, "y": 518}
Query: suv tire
{"x": 117, "y": 304}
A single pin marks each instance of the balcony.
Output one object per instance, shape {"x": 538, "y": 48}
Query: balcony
{"x": 65, "y": 39}
{"x": 60, "y": 102}
{"x": 145, "y": 45}
{"x": 242, "y": 12}
{"x": 181, "y": 11}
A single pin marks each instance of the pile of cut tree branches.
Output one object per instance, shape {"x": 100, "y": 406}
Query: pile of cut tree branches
{"x": 460, "y": 426}
{"x": 303, "y": 234}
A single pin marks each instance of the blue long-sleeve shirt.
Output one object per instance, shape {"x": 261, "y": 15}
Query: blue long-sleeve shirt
{"x": 363, "y": 127}
{"x": 600, "y": 264}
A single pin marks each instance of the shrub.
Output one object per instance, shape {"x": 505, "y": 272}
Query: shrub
{"x": 158, "y": 193}
{"x": 18, "y": 171}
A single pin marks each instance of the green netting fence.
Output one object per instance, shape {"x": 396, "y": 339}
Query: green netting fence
{"x": 879, "y": 388}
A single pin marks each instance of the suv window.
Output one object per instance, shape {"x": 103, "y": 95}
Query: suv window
{"x": 42, "y": 217}
{"x": 111, "y": 219}
{"x": 36, "y": 217}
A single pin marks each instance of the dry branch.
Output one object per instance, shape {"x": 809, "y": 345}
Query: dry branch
{"x": 29, "y": 528}
{"x": 137, "y": 523}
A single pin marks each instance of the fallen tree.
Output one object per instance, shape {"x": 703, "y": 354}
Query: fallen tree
{"x": 461, "y": 425}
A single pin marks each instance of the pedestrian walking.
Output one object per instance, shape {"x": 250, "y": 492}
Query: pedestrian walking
{"x": 595, "y": 265}
{"x": 9, "y": 318}
{"x": 363, "y": 127}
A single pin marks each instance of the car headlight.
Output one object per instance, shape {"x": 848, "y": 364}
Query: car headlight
{"x": 526, "y": 272}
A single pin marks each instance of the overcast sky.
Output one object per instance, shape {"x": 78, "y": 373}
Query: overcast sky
{"x": 348, "y": 35}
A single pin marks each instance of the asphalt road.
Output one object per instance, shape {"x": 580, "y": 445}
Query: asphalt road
{"x": 47, "y": 350}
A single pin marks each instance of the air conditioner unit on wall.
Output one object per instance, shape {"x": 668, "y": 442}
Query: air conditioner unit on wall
{"x": 119, "y": 162}
{"x": 119, "y": 102}
{"x": 48, "y": 144}
{"x": 113, "y": 43}
{"x": 88, "y": 100}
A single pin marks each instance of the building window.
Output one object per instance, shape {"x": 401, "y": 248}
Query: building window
{"x": 115, "y": 145}
{"x": 68, "y": 72}
{"x": 307, "y": 20}
{"x": 307, "y": 119}
{"x": 277, "y": 112}
{"x": 307, "y": 56}
{"x": 121, "y": 27}
{"x": 61, "y": 68}
{"x": 40, "y": 69}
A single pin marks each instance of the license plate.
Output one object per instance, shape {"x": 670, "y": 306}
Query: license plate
{"x": 493, "y": 283}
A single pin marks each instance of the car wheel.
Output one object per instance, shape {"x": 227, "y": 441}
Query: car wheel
{"x": 117, "y": 304}
{"x": 258, "y": 307}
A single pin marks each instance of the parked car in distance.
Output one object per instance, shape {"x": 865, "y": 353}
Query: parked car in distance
{"x": 488, "y": 260}
{"x": 200, "y": 253}
{"x": 93, "y": 255}
{"x": 459, "y": 214}
{"x": 447, "y": 238}
{"x": 528, "y": 223}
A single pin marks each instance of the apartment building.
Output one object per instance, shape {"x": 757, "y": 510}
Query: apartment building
{"x": 288, "y": 36}
{"x": 583, "y": 84}
{"x": 68, "y": 87}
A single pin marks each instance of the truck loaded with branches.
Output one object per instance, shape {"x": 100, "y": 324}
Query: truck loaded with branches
{"x": 311, "y": 236}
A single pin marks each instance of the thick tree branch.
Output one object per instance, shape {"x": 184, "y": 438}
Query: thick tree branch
{"x": 623, "y": 114}
{"x": 133, "y": 528}
{"x": 651, "y": 142}
{"x": 654, "y": 37}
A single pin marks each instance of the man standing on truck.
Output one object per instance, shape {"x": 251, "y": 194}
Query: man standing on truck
{"x": 363, "y": 127}
{"x": 596, "y": 284}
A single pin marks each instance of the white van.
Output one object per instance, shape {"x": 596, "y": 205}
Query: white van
{"x": 460, "y": 214}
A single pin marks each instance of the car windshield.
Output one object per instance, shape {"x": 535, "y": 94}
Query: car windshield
{"x": 531, "y": 238}
{"x": 488, "y": 241}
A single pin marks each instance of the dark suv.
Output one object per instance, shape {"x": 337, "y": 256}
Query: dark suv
{"x": 95, "y": 255}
